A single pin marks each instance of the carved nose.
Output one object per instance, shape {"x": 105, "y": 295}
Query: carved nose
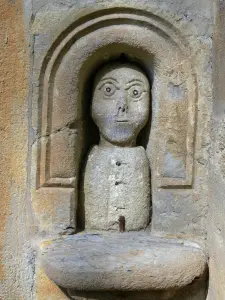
{"x": 122, "y": 107}
{"x": 122, "y": 111}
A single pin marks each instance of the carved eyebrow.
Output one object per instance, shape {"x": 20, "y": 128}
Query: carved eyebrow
{"x": 132, "y": 80}
{"x": 109, "y": 78}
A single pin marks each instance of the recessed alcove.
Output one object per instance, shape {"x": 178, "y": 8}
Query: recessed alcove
{"x": 67, "y": 133}
{"x": 91, "y": 135}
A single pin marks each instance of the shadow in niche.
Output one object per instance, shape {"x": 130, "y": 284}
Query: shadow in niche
{"x": 195, "y": 291}
{"x": 91, "y": 132}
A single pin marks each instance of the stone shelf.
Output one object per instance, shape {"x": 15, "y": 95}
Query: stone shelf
{"x": 122, "y": 262}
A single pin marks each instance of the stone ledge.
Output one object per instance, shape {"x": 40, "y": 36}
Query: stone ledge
{"x": 122, "y": 262}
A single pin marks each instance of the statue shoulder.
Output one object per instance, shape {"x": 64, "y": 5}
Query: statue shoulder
{"x": 141, "y": 149}
{"x": 94, "y": 149}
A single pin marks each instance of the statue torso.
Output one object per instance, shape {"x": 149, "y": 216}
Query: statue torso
{"x": 116, "y": 183}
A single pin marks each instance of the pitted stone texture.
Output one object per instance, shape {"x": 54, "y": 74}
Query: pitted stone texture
{"x": 143, "y": 39}
{"x": 63, "y": 142}
{"x": 121, "y": 101}
{"x": 117, "y": 177}
{"x": 116, "y": 183}
{"x": 195, "y": 291}
{"x": 122, "y": 262}
{"x": 65, "y": 81}
{"x": 56, "y": 209}
{"x": 216, "y": 228}
{"x": 164, "y": 39}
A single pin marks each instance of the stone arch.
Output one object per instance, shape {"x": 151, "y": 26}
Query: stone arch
{"x": 86, "y": 44}
{"x": 144, "y": 38}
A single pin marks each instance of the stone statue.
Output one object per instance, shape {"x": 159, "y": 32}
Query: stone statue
{"x": 117, "y": 176}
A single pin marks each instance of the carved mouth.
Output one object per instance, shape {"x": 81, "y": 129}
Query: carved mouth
{"x": 122, "y": 121}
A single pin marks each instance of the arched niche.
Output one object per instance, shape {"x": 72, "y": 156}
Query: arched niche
{"x": 67, "y": 70}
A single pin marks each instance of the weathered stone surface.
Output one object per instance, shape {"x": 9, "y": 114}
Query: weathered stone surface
{"x": 55, "y": 209}
{"x": 176, "y": 91}
{"x": 177, "y": 139}
{"x": 216, "y": 226}
{"x": 16, "y": 256}
{"x": 121, "y": 102}
{"x": 194, "y": 292}
{"x": 178, "y": 148}
{"x": 116, "y": 176}
{"x": 47, "y": 289}
{"x": 63, "y": 142}
{"x": 112, "y": 190}
{"x": 122, "y": 262}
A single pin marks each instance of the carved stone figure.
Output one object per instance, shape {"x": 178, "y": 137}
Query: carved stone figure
{"x": 116, "y": 197}
{"x": 117, "y": 177}
{"x": 112, "y": 193}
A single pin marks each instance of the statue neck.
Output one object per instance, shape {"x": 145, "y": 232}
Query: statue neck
{"x": 105, "y": 143}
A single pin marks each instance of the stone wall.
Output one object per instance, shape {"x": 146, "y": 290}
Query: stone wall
{"x": 16, "y": 267}
{"x": 27, "y": 31}
{"x": 177, "y": 212}
{"x": 216, "y": 228}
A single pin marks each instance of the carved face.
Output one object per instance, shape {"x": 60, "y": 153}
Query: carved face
{"x": 120, "y": 106}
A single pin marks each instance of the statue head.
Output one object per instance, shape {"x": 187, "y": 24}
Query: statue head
{"x": 121, "y": 101}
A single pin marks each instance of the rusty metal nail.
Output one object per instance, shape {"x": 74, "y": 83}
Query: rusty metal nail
{"x": 121, "y": 223}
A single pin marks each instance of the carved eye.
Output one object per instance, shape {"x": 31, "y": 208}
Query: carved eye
{"x": 108, "y": 89}
{"x": 136, "y": 91}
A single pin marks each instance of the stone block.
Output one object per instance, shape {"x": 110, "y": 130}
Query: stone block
{"x": 135, "y": 262}
{"x": 63, "y": 160}
{"x": 55, "y": 210}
